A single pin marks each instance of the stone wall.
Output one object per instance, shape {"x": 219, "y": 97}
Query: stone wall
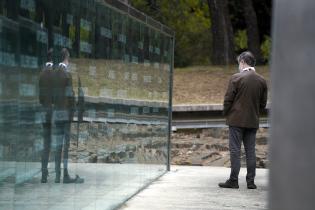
{"x": 209, "y": 147}
{"x": 119, "y": 143}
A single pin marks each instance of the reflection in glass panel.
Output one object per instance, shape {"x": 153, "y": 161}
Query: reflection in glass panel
{"x": 83, "y": 104}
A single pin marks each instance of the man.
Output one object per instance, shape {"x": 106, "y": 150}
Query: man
{"x": 64, "y": 106}
{"x": 245, "y": 98}
{"x": 46, "y": 100}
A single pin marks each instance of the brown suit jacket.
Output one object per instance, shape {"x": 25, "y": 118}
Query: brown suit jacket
{"x": 46, "y": 91}
{"x": 245, "y": 98}
{"x": 63, "y": 92}
{"x": 46, "y": 86}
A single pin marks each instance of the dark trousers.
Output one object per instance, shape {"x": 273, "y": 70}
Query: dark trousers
{"x": 62, "y": 140}
{"x": 46, "y": 150}
{"x": 238, "y": 135}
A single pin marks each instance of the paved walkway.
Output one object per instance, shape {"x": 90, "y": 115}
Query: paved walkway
{"x": 196, "y": 188}
{"x": 106, "y": 186}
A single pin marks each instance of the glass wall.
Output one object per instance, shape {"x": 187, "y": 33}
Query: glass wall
{"x": 84, "y": 100}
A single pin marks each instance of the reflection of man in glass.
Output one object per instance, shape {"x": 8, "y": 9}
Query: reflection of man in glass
{"x": 46, "y": 100}
{"x": 63, "y": 113}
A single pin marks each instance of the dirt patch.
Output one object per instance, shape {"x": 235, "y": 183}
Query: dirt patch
{"x": 205, "y": 84}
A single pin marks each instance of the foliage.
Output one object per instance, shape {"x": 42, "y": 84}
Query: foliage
{"x": 189, "y": 19}
{"x": 266, "y": 47}
{"x": 241, "y": 44}
{"x": 240, "y": 40}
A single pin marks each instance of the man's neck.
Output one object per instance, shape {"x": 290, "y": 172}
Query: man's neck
{"x": 66, "y": 62}
{"x": 246, "y": 66}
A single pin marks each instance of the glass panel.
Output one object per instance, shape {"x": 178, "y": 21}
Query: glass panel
{"x": 83, "y": 104}
{"x": 8, "y": 108}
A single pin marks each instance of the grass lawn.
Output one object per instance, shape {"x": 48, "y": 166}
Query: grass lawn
{"x": 205, "y": 84}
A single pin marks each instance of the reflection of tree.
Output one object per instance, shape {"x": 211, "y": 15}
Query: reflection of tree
{"x": 10, "y": 8}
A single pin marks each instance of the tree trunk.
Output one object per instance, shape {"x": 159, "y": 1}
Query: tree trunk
{"x": 253, "y": 40}
{"x": 222, "y": 33}
{"x": 12, "y": 9}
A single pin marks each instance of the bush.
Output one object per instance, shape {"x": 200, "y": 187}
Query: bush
{"x": 240, "y": 40}
{"x": 266, "y": 48}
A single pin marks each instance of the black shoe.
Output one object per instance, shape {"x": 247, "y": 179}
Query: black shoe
{"x": 43, "y": 180}
{"x": 251, "y": 185}
{"x": 44, "y": 176}
{"x": 69, "y": 180}
{"x": 229, "y": 184}
{"x": 57, "y": 179}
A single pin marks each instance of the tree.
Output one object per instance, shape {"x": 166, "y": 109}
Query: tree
{"x": 253, "y": 40}
{"x": 205, "y": 28}
{"x": 222, "y": 33}
{"x": 191, "y": 23}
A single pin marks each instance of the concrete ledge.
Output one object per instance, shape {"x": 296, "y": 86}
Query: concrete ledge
{"x": 197, "y": 107}
{"x": 129, "y": 102}
{"x": 201, "y": 107}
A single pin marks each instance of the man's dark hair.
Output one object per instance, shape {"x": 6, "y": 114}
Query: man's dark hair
{"x": 64, "y": 54}
{"x": 247, "y": 57}
{"x": 50, "y": 53}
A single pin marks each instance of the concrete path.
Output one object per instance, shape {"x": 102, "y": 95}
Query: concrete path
{"x": 189, "y": 187}
{"x": 106, "y": 186}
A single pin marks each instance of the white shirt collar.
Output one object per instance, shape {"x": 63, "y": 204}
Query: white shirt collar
{"x": 65, "y": 66}
{"x": 248, "y": 69}
{"x": 49, "y": 64}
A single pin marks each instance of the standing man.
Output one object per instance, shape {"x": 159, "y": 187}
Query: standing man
{"x": 64, "y": 106}
{"x": 46, "y": 100}
{"x": 245, "y": 98}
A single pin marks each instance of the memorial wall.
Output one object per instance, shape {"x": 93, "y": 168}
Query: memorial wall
{"x": 84, "y": 100}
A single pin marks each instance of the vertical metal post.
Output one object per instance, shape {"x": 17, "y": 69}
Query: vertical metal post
{"x": 170, "y": 105}
{"x": 292, "y": 145}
